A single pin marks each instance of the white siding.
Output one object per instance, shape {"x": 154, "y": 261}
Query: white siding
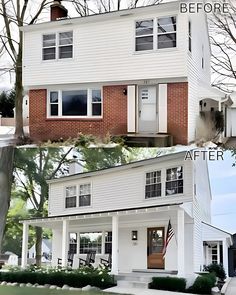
{"x": 195, "y": 71}
{"x": 120, "y": 190}
{"x": 104, "y": 51}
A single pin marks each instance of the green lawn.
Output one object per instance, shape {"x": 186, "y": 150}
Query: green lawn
{"x": 28, "y": 291}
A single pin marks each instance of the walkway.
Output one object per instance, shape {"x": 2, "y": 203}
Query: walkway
{"x": 231, "y": 288}
{"x": 137, "y": 291}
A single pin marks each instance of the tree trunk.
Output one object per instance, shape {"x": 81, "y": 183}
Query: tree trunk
{"x": 38, "y": 244}
{"x": 6, "y": 170}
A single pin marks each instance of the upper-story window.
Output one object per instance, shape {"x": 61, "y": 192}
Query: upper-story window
{"x": 156, "y": 33}
{"x": 189, "y": 36}
{"x": 174, "y": 181}
{"x": 79, "y": 103}
{"x": 153, "y": 184}
{"x": 166, "y": 32}
{"x": 144, "y": 35}
{"x": 71, "y": 197}
{"x": 58, "y": 46}
{"x": 84, "y": 195}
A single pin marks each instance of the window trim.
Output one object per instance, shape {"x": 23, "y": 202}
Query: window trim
{"x": 42, "y": 47}
{"x": 89, "y": 103}
{"x": 161, "y": 34}
{"x": 84, "y": 195}
{"x": 57, "y": 59}
{"x": 77, "y": 196}
{"x": 155, "y": 38}
{"x": 161, "y": 183}
{"x": 173, "y": 167}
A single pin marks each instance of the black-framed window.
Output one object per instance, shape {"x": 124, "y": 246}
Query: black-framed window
{"x": 166, "y": 32}
{"x": 66, "y": 45}
{"x": 144, "y": 35}
{"x": 96, "y": 102}
{"x": 49, "y": 47}
{"x": 54, "y": 103}
{"x": 73, "y": 243}
{"x": 153, "y": 185}
{"x": 108, "y": 242}
{"x": 84, "y": 195}
{"x": 75, "y": 103}
{"x": 71, "y": 197}
{"x": 190, "y": 36}
{"x": 174, "y": 181}
{"x": 91, "y": 241}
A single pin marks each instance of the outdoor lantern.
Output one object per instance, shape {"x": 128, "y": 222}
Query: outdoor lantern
{"x": 125, "y": 91}
{"x": 134, "y": 235}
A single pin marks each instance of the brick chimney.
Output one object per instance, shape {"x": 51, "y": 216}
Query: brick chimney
{"x": 58, "y": 11}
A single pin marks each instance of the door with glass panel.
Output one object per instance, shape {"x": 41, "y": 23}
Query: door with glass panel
{"x": 147, "y": 109}
{"x": 155, "y": 244}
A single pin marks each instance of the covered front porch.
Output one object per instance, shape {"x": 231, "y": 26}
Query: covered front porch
{"x": 134, "y": 238}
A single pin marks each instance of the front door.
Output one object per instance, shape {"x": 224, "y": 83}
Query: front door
{"x": 155, "y": 244}
{"x": 147, "y": 109}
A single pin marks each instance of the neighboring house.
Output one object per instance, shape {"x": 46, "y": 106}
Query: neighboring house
{"x": 125, "y": 211}
{"x": 139, "y": 72}
{"x": 231, "y": 118}
{"x": 232, "y": 258}
{"x": 46, "y": 251}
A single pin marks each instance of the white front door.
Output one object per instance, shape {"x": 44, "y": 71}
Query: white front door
{"x": 147, "y": 110}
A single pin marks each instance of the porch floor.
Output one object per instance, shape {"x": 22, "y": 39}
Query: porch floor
{"x": 149, "y": 139}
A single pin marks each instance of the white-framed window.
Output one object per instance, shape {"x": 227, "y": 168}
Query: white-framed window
{"x": 91, "y": 241}
{"x": 84, "y": 195}
{"x": 108, "y": 242}
{"x": 49, "y": 46}
{"x": 75, "y": 103}
{"x": 144, "y": 35}
{"x": 153, "y": 184}
{"x": 166, "y": 32}
{"x": 57, "y": 46}
{"x": 190, "y": 36}
{"x": 174, "y": 181}
{"x": 73, "y": 243}
{"x": 157, "y": 33}
{"x": 71, "y": 197}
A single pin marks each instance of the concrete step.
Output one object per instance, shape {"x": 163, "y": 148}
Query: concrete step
{"x": 132, "y": 284}
{"x": 133, "y": 277}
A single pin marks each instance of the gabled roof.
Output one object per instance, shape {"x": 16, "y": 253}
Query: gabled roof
{"x": 132, "y": 165}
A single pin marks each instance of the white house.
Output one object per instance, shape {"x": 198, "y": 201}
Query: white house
{"x": 125, "y": 210}
{"x": 144, "y": 71}
{"x": 46, "y": 251}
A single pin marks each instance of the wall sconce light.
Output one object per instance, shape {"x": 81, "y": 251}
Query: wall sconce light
{"x": 134, "y": 235}
{"x": 125, "y": 91}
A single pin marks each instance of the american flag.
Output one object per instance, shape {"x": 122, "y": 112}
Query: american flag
{"x": 170, "y": 233}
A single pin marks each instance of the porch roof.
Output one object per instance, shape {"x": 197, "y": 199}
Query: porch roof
{"x": 213, "y": 233}
{"x": 44, "y": 221}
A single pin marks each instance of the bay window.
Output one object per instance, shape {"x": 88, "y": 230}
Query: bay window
{"x": 75, "y": 103}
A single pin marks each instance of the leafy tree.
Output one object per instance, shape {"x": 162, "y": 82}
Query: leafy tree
{"x": 7, "y": 104}
{"x": 32, "y": 169}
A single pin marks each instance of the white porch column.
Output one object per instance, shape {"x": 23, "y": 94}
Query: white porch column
{"x": 218, "y": 252}
{"x": 225, "y": 257}
{"x": 65, "y": 242}
{"x": 25, "y": 245}
{"x": 180, "y": 243}
{"x": 115, "y": 244}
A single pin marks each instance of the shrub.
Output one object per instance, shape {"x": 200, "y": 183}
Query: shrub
{"x": 218, "y": 269}
{"x": 55, "y": 276}
{"x": 168, "y": 283}
{"x": 203, "y": 284}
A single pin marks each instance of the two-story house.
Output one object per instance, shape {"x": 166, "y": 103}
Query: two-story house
{"x": 135, "y": 72}
{"x": 125, "y": 211}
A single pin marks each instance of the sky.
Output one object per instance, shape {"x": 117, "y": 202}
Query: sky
{"x": 223, "y": 188}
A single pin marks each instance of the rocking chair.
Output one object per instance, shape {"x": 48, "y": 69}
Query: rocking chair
{"x": 70, "y": 259}
{"x": 106, "y": 262}
{"x": 90, "y": 258}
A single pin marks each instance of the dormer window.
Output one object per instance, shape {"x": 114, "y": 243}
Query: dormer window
{"x": 153, "y": 185}
{"x": 144, "y": 35}
{"x": 174, "y": 181}
{"x": 57, "y": 46}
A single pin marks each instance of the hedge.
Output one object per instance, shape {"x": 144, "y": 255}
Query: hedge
{"x": 218, "y": 269}
{"x": 77, "y": 280}
{"x": 168, "y": 283}
{"x": 203, "y": 284}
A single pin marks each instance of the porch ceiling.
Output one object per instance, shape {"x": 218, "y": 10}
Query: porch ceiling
{"x": 136, "y": 215}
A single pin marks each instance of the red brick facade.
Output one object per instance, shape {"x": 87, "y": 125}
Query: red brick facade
{"x": 114, "y": 118}
{"x": 177, "y": 112}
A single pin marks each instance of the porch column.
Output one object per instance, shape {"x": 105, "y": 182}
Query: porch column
{"x": 65, "y": 242}
{"x": 218, "y": 252}
{"x": 24, "y": 245}
{"x": 180, "y": 243}
{"x": 115, "y": 244}
{"x": 225, "y": 257}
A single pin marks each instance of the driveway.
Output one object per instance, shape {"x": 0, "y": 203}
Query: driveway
{"x": 231, "y": 288}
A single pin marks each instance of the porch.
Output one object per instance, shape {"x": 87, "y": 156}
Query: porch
{"x": 134, "y": 237}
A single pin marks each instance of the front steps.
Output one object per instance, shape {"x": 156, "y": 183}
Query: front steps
{"x": 149, "y": 140}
